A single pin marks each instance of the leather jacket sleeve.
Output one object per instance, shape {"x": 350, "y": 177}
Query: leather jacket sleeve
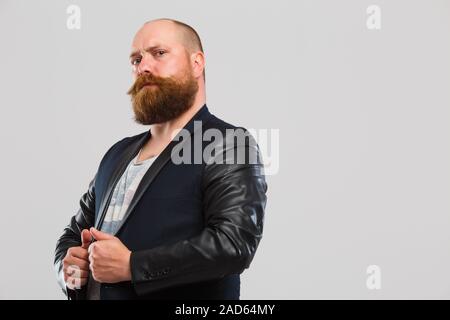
{"x": 234, "y": 199}
{"x": 71, "y": 237}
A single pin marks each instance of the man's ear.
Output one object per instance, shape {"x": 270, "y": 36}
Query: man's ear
{"x": 197, "y": 63}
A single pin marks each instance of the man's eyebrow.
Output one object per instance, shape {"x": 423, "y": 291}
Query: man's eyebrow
{"x": 148, "y": 49}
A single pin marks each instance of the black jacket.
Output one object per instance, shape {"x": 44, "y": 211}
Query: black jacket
{"x": 192, "y": 228}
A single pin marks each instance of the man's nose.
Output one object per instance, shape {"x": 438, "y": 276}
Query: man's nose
{"x": 146, "y": 65}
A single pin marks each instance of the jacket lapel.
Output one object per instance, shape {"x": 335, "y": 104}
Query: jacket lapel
{"x": 202, "y": 115}
{"x": 124, "y": 158}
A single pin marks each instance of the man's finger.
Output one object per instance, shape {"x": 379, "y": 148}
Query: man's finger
{"x": 77, "y": 283}
{"x": 99, "y": 235}
{"x": 79, "y": 252}
{"x": 76, "y": 272}
{"x": 86, "y": 238}
{"x": 74, "y": 261}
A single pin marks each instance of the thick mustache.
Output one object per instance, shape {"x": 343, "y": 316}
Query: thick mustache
{"x": 141, "y": 82}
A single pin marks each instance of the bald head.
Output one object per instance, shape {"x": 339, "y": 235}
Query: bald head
{"x": 187, "y": 35}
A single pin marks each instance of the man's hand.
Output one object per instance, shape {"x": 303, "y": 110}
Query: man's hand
{"x": 76, "y": 263}
{"x": 109, "y": 258}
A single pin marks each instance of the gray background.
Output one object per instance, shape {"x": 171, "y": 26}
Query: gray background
{"x": 364, "y": 134}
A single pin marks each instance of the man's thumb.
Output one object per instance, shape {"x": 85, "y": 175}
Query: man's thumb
{"x": 98, "y": 235}
{"x": 85, "y": 238}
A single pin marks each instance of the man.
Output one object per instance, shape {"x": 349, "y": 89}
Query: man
{"x": 151, "y": 226}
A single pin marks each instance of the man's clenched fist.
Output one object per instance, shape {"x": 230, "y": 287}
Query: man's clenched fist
{"x": 109, "y": 259}
{"x": 76, "y": 263}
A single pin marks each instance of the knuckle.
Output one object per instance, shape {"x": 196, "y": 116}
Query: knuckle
{"x": 72, "y": 270}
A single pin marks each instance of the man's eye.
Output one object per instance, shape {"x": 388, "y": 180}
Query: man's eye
{"x": 135, "y": 61}
{"x": 160, "y": 53}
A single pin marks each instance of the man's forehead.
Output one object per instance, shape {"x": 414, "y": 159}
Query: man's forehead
{"x": 156, "y": 33}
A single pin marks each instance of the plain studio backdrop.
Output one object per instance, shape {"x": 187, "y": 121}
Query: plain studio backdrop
{"x": 362, "y": 113}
